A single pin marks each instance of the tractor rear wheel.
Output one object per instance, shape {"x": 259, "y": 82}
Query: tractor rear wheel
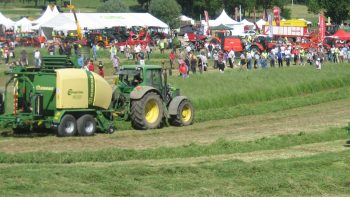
{"x": 147, "y": 112}
{"x": 86, "y": 125}
{"x": 67, "y": 126}
{"x": 184, "y": 116}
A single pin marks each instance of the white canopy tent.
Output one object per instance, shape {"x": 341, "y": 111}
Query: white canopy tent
{"x": 24, "y": 25}
{"x": 186, "y": 19}
{"x": 49, "y": 13}
{"x": 224, "y": 19}
{"x": 260, "y": 23}
{"x": 247, "y": 23}
{"x": 65, "y": 22}
{"x": 8, "y": 23}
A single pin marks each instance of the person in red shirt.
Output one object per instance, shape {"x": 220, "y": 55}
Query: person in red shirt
{"x": 183, "y": 70}
{"x": 91, "y": 66}
{"x": 172, "y": 56}
{"x": 101, "y": 71}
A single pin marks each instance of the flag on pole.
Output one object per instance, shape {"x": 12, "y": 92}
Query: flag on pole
{"x": 206, "y": 17}
{"x": 322, "y": 22}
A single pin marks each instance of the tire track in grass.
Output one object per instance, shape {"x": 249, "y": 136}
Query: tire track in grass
{"x": 304, "y": 119}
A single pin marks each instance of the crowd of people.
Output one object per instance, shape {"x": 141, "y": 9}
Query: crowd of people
{"x": 188, "y": 60}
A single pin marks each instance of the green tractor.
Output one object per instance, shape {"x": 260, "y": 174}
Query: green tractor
{"x": 144, "y": 96}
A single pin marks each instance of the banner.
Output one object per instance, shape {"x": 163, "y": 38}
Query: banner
{"x": 206, "y": 17}
{"x": 322, "y": 23}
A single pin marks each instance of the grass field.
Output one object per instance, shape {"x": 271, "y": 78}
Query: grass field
{"x": 273, "y": 132}
{"x": 264, "y": 132}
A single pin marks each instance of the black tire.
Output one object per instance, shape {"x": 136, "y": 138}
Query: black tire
{"x": 182, "y": 119}
{"x": 141, "y": 114}
{"x": 86, "y": 125}
{"x": 67, "y": 127}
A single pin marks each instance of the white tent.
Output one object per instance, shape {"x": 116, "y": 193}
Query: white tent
{"x": 224, "y": 19}
{"x": 49, "y": 13}
{"x": 25, "y": 25}
{"x": 247, "y": 23}
{"x": 185, "y": 19}
{"x": 65, "y": 22}
{"x": 8, "y": 23}
{"x": 260, "y": 23}
{"x": 128, "y": 19}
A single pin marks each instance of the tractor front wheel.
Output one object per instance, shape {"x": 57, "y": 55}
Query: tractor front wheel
{"x": 86, "y": 125}
{"x": 147, "y": 112}
{"x": 67, "y": 127}
{"x": 184, "y": 116}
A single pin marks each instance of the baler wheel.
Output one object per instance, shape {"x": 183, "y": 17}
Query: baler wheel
{"x": 67, "y": 127}
{"x": 147, "y": 112}
{"x": 86, "y": 125}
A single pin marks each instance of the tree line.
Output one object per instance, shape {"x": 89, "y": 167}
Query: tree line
{"x": 168, "y": 10}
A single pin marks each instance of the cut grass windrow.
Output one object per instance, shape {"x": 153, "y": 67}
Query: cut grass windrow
{"x": 193, "y": 150}
{"x": 323, "y": 174}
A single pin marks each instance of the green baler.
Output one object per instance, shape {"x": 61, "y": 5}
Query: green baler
{"x": 76, "y": 101}
{"x": 33, "y": 99}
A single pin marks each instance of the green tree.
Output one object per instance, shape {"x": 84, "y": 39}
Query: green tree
{"x": 113, "y": 6}
{"x": 338, "y": 10}
{"x": 166, "y": 10}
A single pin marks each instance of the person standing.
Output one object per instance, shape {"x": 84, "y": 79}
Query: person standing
{"x": 94, "y": 51}
{"x": 113, "y": 51}
{"x": 193, "y": 62}
{"x": 6, "y": 55}
{"x": 231, "y": 58}
{"x": 162, "y": 46}
{"x": 243, "y": 61}
{"x": 249, "y": 60}
{"x": 101, "y": 71}
{"x": 172, "y": 57}
{"x": 37, "y": 58}
{"x": 221, "y": 61}
{"x": 280, "y": 58}
{"x": 115, "y": 62}
{"x": 24, "y": 58}
{"x": 272, "y": 58}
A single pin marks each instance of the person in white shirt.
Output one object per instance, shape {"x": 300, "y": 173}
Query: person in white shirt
{"x": 231, "y": 58}
{"x": 37, "y": 58}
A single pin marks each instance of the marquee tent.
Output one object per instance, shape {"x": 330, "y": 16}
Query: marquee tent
{"x": 185, "y": 18}
{"x": 247, "y": 23}
{"x": 65, "y": 22}
{"x": 25, "y": 25}
{"x": 260, "y": 23}
{"x": 8, "y": 23}
{"x": 49, "y": 13}
{"x": 224, "y": 19}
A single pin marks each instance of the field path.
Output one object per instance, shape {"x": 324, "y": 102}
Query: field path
{"x": 304, "y": 119}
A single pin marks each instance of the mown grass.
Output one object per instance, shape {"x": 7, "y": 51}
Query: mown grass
{"x": 320, "y": 175}
{"x": 221, "y": 146}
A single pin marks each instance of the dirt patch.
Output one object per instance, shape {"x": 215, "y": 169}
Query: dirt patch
{"x": 305, "y": 119}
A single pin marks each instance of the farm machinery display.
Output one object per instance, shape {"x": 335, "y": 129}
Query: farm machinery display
{"x": 75, "y": 101}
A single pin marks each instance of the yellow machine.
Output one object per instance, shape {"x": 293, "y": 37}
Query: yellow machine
{"x": 79, "y": 34}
